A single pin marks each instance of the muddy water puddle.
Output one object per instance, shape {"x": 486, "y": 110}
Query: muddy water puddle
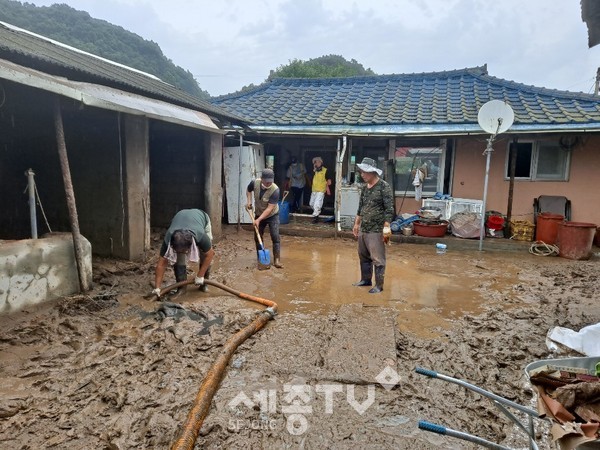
{"x": 427, "y": 289}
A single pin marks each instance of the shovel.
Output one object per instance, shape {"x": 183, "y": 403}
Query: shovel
{"x": 264, "y": 258}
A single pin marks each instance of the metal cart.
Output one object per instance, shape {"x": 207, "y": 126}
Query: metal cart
{"x": 592, "y": 364}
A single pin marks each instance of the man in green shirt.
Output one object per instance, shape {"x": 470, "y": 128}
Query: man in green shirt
{"x": 372, "y": 224}
{"x": 189, "y": 237}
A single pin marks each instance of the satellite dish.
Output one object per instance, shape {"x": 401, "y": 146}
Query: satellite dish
{"x": 495, "y": 117}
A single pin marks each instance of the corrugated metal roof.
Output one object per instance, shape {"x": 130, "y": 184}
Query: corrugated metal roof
{"x": 107, "y": 98}
{"x": 37, "y": 52}
{"x": 436, "y": 102}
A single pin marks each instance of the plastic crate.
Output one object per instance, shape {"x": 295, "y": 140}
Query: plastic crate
{"x": 442, "y": 205}
{"x": 464, "y": 205}
{"x": 522, "y": 230}
{"x": 347, "y": 222}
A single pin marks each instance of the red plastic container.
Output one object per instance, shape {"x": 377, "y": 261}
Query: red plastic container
{"x": 546, "y": 229}
{"x": 495, "y": 222}
{"x": 575, "y": 240}
{"x": 430, "y": 230}
{"x": 597, "y": 239}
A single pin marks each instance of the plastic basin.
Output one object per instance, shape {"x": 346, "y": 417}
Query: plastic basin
{"x": 430, "y": 230}
{"x": 575, "y": 240}
{"x": 546, "y": 229}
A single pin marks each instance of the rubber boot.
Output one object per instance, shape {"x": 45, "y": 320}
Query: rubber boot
{"x": 204, "y": 287}
{"x": 180, "y": 275}
{"x": 277, "y": 261}
{"x": 379, "y": 276}
{"x": 366, "y": 273}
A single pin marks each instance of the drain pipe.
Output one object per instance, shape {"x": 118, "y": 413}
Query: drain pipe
{"x": 341, "y": 152}
{"x": 216, "y": 373}
{"x": 31, "y": 190}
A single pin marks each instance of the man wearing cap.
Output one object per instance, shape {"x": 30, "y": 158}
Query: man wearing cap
{"x": 320, "y": 185}
{"x": 372, "y": 224}
{"x": 266, "y": 197}
{"x": 189, "y": 237}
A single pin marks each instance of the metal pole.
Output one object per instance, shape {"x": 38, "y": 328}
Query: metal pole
{"x": 31, "y": 190}
{"x": 341, "y": 152}
{"x": 70, "y": 194}
{"x": 488, "y": 152}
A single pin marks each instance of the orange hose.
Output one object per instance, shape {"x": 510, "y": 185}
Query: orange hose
{"x": 216, "y": 373}
{"x": 252, "y": 298}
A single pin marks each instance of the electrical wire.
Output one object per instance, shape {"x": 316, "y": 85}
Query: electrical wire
{"x": 37, "y": 195}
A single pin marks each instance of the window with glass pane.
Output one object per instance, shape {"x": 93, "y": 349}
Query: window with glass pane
{"x": 540, "y": 160}
{"x": 551, "y": 162}
{"x": 409, "y": 159}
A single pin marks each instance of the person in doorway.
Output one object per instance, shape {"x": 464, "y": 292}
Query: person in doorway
{"x": 372, "y": 224}
{"x": 296, "y": 180}
{"x": 266, "y": 210}
{"x": 320, "y": 185}
{"x": 189, "y": 237}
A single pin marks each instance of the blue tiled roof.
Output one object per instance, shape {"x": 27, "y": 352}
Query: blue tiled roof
{"x": 437, "y": 101}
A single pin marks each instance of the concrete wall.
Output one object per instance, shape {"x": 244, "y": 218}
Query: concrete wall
{"x": 582, "y": 188}
{"x": 36, "y": 270}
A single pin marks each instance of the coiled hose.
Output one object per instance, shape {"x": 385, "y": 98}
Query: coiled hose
{"x": 212, "y": 380}
{"x": 540, "y": 248}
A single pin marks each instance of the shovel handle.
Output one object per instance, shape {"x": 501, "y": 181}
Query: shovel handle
{"x": 285, "y": 194}
{"x": 256, "y": 228}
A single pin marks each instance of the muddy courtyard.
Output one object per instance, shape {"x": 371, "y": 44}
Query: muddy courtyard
{"x": 335, "y": 368}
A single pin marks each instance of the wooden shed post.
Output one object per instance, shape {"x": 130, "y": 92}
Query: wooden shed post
{"x": 84, "y": 284}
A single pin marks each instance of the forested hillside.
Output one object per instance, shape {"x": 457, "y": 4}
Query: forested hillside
{"x": 78, "y": 29}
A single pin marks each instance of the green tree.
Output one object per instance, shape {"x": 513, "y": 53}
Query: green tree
{"x": 329, "y": 66}
{"x": 78, "y": 29}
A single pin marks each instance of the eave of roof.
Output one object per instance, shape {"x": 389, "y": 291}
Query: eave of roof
{"x": 43, "y": 54}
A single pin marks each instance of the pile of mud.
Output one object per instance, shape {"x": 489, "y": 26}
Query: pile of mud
{"x": 110, "y": 369}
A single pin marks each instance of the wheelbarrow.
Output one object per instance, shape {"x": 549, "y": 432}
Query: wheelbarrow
{"x": 500, "y": 402}
{"x": 590, "y": 364}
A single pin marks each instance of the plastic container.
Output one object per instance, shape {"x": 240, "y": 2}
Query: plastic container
{"x": 495, "y": 222}
{"x": 575, "y": 240}
{"x": 284, "y": 213}
{"x": 597, "y": 238}
{"x": 430, "y": 230}
{"x": 440, "y": 248}
{"x": 546, "y": 229}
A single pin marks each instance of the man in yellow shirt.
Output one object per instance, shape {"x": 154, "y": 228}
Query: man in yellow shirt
{"x": 320, "y": 184}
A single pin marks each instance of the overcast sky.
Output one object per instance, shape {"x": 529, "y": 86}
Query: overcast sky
{"x": 227, "y": 44}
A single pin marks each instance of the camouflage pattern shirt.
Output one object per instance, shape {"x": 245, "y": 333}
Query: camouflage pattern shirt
{"x": 376, "y": 206}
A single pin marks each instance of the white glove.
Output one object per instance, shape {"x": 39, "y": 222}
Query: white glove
{"x": 156, "y": 292}
{"x": 199, "y": 281}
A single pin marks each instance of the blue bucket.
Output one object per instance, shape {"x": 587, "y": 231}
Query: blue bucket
{"x": 284, "y": 212}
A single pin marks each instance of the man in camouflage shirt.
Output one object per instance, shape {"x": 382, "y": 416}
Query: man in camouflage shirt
{"x": 372, "y": 224}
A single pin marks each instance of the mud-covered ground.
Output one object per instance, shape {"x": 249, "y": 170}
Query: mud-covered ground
{"x": 335, "y": 369}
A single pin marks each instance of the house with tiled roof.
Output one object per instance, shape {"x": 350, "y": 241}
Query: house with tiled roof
{"x": 406, "y": 121}
{"x": 139, "y": 149}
